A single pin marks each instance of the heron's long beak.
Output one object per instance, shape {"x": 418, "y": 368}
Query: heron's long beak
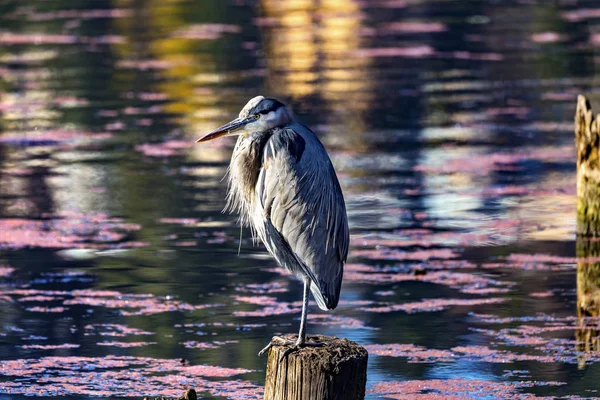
{"x": 229, "y": 127}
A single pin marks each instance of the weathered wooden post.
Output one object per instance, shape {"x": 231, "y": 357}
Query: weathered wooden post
{"x": 587, "y": 141}
{"x": 335, "y": 371}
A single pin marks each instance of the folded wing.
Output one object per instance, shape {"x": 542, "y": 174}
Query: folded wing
{"x": 301, "y": 210}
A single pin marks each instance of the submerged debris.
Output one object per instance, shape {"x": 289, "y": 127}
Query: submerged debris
{"x": 189, "y": 394}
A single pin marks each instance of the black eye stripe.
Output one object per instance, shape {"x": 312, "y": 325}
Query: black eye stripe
{"x": 266, "y": 106}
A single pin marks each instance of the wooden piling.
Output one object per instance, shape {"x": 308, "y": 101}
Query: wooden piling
{"x": 587, "y": 141}
{"x": 335, "y": 371}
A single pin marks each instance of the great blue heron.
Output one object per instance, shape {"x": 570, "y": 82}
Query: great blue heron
{"x": 282, "y": 183}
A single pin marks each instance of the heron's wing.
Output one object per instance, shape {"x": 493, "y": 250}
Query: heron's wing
{"x": 303, "y": 211}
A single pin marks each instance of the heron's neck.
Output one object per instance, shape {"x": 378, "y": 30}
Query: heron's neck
{"x": 243, "y": 172}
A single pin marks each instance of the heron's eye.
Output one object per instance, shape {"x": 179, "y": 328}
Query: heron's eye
{"x": 256, "y": 116}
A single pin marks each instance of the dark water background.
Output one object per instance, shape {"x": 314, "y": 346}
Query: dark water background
{"x": 450, "y": 126}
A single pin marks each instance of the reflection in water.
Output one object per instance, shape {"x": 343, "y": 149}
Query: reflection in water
{"x": 176, "y": 68}
{"x": 292, "y": 47}
{"x": 588, "y": 298}
{"x": 310, "y": 48}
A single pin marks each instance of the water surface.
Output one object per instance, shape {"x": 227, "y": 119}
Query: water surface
{"x": 450, "y": 127}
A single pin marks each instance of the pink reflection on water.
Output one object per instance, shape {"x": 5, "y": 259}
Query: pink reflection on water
{"x": 412, "y": 352}
{"x": 47, "y": 309}
{"x": 567, "y": 95}
{"x": 120, "y": 376}
{"x": 547, "y": 259}
{"x": 222, "y": 324}
{"x": 125, "y": 344}
{"x": 431, "y": 305}
{"x": 466, "y": 283}
{"x": 5, "y": 271}
{"x": 263, "y": 288}
{"x": 17, "y": 171}
{"x": 383, "y": 3}
{"x": 179, "y": 221}
{"x": 152, "y": 96}
{"x": 50, "y": 346}
{"x": 544, "y": 334}
{"x": 164, "y": 149}
{"x": 115, "y": 330}
{"x": 427, "y": 238}
{"x": 271, "y": 306}
{"x": 126, "y": 304}
{"x": 78, "y": 14}
{"x": 484, "y": 164}
{"x": 65, "y": 231}
{"x": 393, "y": 254}
{"x": 35, "y": 292}
{"x": 548, "y": 37}
{"x": 511, "y": 190}
{"x": 455, "y": 389}
{"x": 186, "y": 243}
{"x": 581, "y": 14}
{"x": 260, "y": 300}
{"x": 466, "y": 55}
{"x": 422, "y": 51}
{"x": 143, "y": 65}
{"x": 413, "y": 27}
{"x": 338, "y": 321}
{"x": 206, "y": 31}
{"x": 540, "y": 262}
{"x": 131, "y": 304}
{"x": 69, "y": 137}
{"x": 278, "y": 309}
{"x": 547, "y": 293}
{"x": 8, "y": 38}
{"x": 192, "y": 344}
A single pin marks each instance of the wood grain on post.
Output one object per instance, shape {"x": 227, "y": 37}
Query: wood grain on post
{"x": 335, "y": 371}
{"x": 587, "y": 141}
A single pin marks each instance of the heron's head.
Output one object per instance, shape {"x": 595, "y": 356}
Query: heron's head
{"x": 259, "y": 115}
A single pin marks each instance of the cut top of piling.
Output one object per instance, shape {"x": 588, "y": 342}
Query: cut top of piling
{"x": 334, "y": 371}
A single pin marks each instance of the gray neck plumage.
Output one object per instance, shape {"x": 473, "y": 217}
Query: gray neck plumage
{"x": 243, "y": 173}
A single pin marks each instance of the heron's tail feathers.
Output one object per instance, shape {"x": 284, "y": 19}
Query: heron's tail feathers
{"x": 323, "y": 302}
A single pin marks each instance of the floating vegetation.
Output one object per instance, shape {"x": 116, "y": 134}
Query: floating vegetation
{"x": 119, "y": 376}
{"x": 456, "y": 389}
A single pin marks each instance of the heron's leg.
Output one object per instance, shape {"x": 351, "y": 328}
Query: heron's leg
{"x": 279, "y": 341}
{"x": 302, "y": 333}
{"x": 301, "y": 341}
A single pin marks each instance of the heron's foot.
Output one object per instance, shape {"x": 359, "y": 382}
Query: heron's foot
{"x": 294, "y": 345}
{"x": 276, "y": 341}
{"x": 297, "y": 346}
